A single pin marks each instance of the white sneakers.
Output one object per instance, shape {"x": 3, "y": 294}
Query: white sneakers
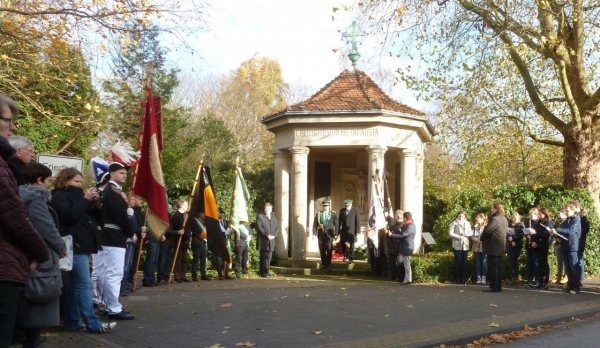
{"x": 104, "y": 328}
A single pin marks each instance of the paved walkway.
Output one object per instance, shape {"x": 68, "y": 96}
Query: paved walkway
{"x": 328, "y": 311}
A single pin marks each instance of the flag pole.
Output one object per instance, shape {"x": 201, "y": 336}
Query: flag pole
{"x": 237, "y": 233}
{"x": 185, "y": 217}
{"x": 139, "y": 256}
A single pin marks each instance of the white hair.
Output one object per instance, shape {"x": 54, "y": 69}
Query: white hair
{"x": 18, "y": 142}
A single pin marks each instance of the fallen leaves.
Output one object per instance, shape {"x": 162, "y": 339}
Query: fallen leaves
{"x": 226, "y": 304}
{"x": 245, "y": 344}
{"x": 195, "y": 312}
{"x": 493, "y": 305}
{"x": 494, "y": 325}
{"x": 306, "y": 295}
{"x": 317, "y": 332}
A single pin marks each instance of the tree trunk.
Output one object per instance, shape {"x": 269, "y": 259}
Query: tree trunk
{"x": 581, "y": 160}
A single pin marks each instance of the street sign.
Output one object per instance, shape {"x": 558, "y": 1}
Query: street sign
{"x": 58, "y": 163}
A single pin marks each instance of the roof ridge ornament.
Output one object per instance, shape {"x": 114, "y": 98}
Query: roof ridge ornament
{"x": 352, "y": 33}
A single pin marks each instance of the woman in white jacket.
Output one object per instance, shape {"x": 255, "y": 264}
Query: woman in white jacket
{"x": 460, "y": 231}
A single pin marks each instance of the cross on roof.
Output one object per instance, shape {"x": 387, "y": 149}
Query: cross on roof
{"x": 353, "y": 33}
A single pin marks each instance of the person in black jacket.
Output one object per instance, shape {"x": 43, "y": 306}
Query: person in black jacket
{"x": 199, "y": 249}
{"x": 133, "y": 250}
{"x": 325, "y": 228}
{"x": 540, "y": 241}
{"x": 268, "y": 230}
{"x": 493, "y": 240}
{"x": 78, "y": 214}
{"x": 349, "y": 227}
{"x": 404, "y": 242}
{"x": 585, "y": 229}
{"x": 23, "y": 155}
{"x": 242, "y": 245}
{"x": 223, "y": 261}
{"x": 115, "y": 232}
{"x": 174, "y": 234}
{"x": 514, "y": 245}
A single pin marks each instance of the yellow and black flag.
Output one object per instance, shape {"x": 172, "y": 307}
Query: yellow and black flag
{"x": 204, "y": 201}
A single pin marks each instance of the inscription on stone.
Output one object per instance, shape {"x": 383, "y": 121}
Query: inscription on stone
{"x": 309, "y": 133}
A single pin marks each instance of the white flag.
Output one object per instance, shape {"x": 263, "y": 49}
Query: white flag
{"x": 376, "y": 219}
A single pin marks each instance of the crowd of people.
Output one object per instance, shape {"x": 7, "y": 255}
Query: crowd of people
{"x": 491, "y": 239}
{"x": 102, "y": 230}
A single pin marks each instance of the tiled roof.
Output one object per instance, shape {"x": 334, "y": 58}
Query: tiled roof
{"x": 351, "y": 91}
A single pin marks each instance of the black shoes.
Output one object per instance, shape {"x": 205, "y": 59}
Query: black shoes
{"x": 124, "y": 315}
{"x": 147, "y": 284}
{"x": 229, "y": 277}
{"x": 491, "y": 290}
{"x": 204, "y": 278}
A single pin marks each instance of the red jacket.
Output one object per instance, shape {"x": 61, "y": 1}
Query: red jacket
{"x": 19, "y": 241}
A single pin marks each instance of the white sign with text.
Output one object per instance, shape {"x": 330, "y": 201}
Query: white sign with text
{"x": 58, "y": 163}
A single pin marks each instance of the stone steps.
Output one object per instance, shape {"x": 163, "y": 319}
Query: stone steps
{"x": 312, "y": 267}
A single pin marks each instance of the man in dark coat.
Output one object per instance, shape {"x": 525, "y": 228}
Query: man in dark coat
{"x": 349, "y": 227}
{"x": 325, "y": 228}
{"x": 404, "y": 242}
{"x": 117, "y": 228}
{"x": 199, "y": 248}
{"x": 585, "y": 229}
{"x": 177, "y": 235}
{"x": 571, "y": 230}
{"x": 493, "y": 240}
{"x": 22, "y": 249}
{"x": 268, "y": 229}
{"x": 23, "y": 155}
{"x": 223, "y": 260}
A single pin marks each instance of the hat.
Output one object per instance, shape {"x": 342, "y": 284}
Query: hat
{"x": 114, "y": 166}
{"x": 102, "y": 179}
{"x": 221, "y": 211}
{"x": 326, "y": 202}
{"x": 347, "y": 201}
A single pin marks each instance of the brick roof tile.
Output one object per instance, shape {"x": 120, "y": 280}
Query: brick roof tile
{"x": 351, "y": 91}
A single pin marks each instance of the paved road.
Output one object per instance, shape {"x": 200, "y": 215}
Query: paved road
{"x": 572, "y": 333}
{"x": 327, "y": 311}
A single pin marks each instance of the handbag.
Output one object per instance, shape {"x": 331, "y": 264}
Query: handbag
{"x": 66, "y": 263}
{"x": 44, "y": 284}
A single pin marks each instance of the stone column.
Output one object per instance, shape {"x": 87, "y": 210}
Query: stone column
{"x": 281, "y": 205}
{"x": 409, "y": 191}
{"x": 376, "y": 161}
{"x": 299, "y": 202}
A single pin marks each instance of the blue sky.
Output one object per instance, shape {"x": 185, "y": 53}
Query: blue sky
{"x": 300, "y": 35}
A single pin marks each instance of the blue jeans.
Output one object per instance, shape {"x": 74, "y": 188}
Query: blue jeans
{"x": 152, "y": 251}
{"x": 533, "y": 271}
{"x": 460, "y": 264}
{"x": 78, "y": 297}
{"x": 129, "y": 251}
{"x": 573, "y": 269}
{"x": 581, "y": 265}
{"x": 480, "y": 264}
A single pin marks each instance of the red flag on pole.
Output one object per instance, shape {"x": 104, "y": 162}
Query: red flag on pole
{"x": 148, "y": 181}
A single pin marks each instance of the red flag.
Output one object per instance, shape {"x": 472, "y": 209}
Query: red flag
{"x": 149, "y": 182}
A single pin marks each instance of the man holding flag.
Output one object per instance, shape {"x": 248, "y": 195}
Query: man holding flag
{"x": 204, "y": 201}
{"x": 238, "y": 223}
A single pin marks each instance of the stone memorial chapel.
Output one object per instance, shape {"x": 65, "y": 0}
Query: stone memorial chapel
{"x": 331, "y": 145}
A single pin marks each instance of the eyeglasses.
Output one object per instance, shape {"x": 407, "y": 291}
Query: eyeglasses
{"x": 7, "y": 120}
